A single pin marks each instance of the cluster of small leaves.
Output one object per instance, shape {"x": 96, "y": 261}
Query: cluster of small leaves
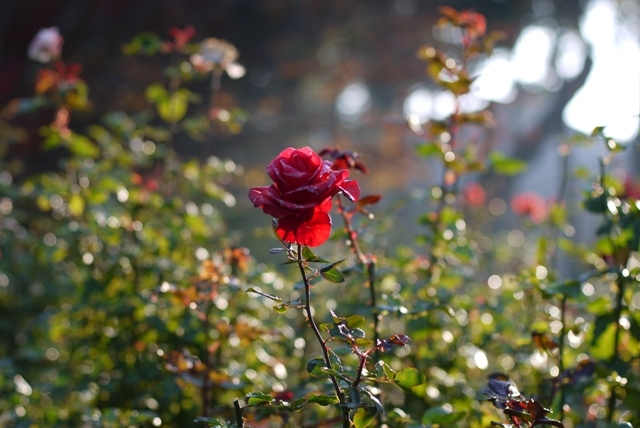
{"x": 172, "y": 101}
{"x": 520, "y": 412}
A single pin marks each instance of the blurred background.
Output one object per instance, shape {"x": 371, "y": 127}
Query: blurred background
{"x": 326, "y": 73}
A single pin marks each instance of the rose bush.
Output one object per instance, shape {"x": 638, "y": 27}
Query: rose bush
{"x": 301, "y": 195}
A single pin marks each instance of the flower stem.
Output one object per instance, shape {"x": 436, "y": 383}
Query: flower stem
{"x": 238, "y": 411}
{"x": 325, "y": 351}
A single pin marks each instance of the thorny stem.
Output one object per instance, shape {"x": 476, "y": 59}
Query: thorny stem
{"x": 325, "y": 351}
{"x": 563, "y": 303}
{"x": 206, "y": 381}
{"x": 368, "y": 263}
{"x": 563, "y": 312}
{"x": 621, "y": 283}
{"x": 214, "y": 98}
{"x": 449, "y": 189}
{"x": 363, "y": 361}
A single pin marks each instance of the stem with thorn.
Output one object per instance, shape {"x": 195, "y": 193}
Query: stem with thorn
{"x": 346, "y": 423}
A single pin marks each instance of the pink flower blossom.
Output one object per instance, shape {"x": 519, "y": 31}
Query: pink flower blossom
{"x": 530, "y": 204}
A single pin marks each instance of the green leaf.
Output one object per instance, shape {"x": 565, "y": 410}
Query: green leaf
{"x": 355, "y": 321}
{"x": 569, "y": 287}
{"x": 146, "y": 43}
{"x": 442, "y": 416}
{"x": 211, "y": 422}
{"x": 364, "y": 416}
{"x": 597, "y": 131}
{"x": 156, "y": 93}
{"x": 335, "y": 361}
{"x": 316, "y": 367}
{"x": 332, "y": 265}
{"x": 174, "y": 108}
{"x": 596, "y": 204}
{"x": 82, "y": 146}
{"x": 357, "y": 333}
{"x": 268, "y": 296}
{"x": 332, "y": 275}
{"x": 76, "y": 205}
{"x": 383, "y": 370}
{"x": 429, "y": 149}
{"x": 258, "y": 398}
{"x": 601, "y": 324}
{"x": 374, "y": 399}
{"x": 354, "y": 398}
{"x": 292, "y": 407}
{"x": 311, "y": 257}
{"x": 323, "y": 400}
{"x": 505, "y": 165}
{"x": 409, "y": 377}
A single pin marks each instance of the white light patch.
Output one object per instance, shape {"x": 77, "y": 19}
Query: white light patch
{"x": 353, "y": 101}
{"x": 571, "y": 55}
{"x": 610, "y": 96}
{"x": 444, "y": 104}
{"x": 496, "y": 79}
{"x": 480, "y": 358}
{"x": 418, "y": 104}
{"x": 531, "y": 55}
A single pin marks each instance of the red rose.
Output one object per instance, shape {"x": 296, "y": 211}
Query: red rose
{"x": 300, "y": 196}
{"x": 474, "y": 195}
{"x": 530, "y": 204}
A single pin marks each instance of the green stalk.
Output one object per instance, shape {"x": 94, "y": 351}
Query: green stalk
{"x": 346, "y": 423}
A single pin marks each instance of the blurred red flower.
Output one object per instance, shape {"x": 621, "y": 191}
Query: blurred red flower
{"x": 631, "y": 188}
{"x": 530, "y": 204}
{"x": 344, "y": 160}
{"x": 474, "y": 195}
{"x": 301, "y": 195}
{"x": 474, "y": 24}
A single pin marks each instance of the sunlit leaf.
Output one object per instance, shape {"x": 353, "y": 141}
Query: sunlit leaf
{"x": 364, "y": 416}
{"x": 505, "y": 165}
{"x": 409, "y": 377}
{"x": 258, "y": 398}
{"x": 323, "y": 400}
{"x": 76, "y": 205}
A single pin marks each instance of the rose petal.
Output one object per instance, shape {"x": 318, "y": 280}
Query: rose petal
{"x": 351, "y": 190}
{"x": 294, "y": 168}
{"x": 306, "y": 230}
{"x": 263, "y": 197}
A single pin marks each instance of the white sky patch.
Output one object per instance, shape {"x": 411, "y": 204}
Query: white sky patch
{"x": 531, "y": 55}
{"x": 610, "y": 96}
